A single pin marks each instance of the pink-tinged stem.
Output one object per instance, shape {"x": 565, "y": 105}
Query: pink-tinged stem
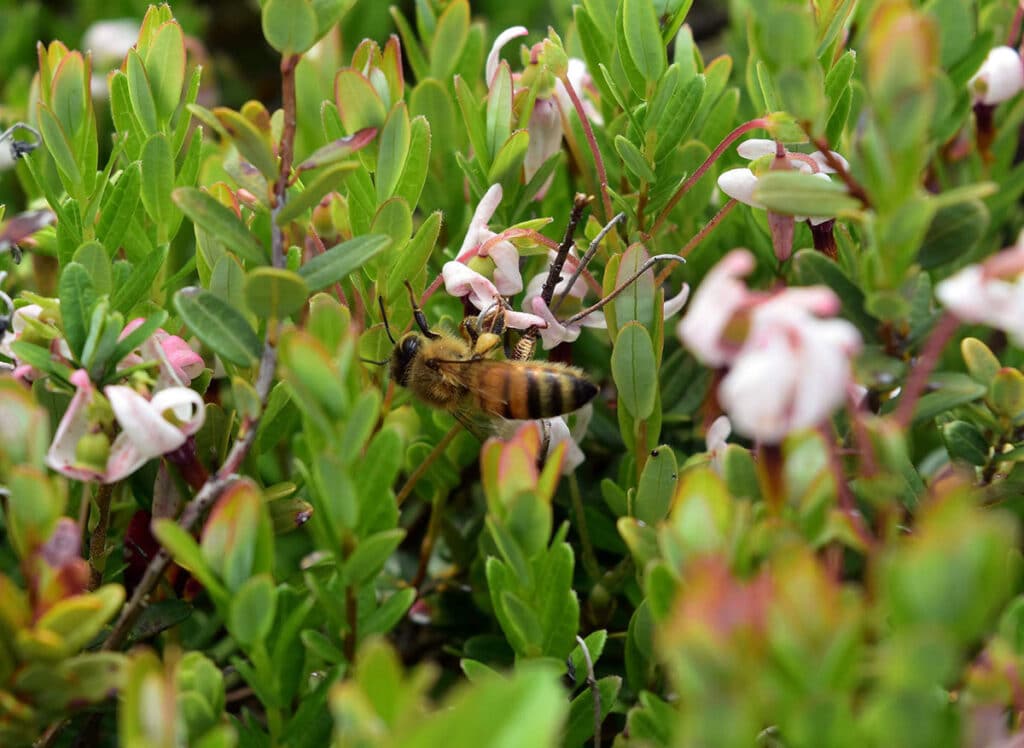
{"x": 1014, "y": 35}
{"x": 923, "y": 367}
{"x": 846, "y": 501}
{"x": 602, "y": 173}
{"x": 743, "y": 129}
{"x": 697, "y": 239}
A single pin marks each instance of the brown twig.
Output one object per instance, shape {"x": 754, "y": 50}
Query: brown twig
{"x": 208, "y": 494}
{"x": 855, "y": 188}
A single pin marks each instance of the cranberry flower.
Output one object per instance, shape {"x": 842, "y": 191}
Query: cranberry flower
{"x": 33, "y": 323}
{"x": 146, "y": 428}
{"x": 1000, "y": 77}
{"x": 788, "y": 365}
{"x": 740, "y": 183}
{"x": 991, "y": 293}
{"x": 552, "y": 107}
{"x": 716, "y": 440}
{"x": 179, "y": 364}
{"x": 483, "y": 293}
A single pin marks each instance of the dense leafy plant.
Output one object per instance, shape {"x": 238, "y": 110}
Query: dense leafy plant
{"x": 224, "y": 523}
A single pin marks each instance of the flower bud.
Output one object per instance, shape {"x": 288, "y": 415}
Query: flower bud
{"x": 1000, "y": 77}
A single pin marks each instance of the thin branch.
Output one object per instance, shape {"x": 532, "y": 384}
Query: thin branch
{"x": 98, "y": 539}
{"x": 208, "y": 494}
{"x": 697, "y": 239}
{"x": 855, "y": 188}
{"x": 611, "y": 297}
{"x": 422, "y": 468}
{"x": 602, "y": 173}
{"x": 587, "y": 257}
{"x": 692, "y": 179}
{"x": 923, "y": 367}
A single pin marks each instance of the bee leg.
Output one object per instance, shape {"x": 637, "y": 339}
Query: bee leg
{"x": 470, "y": 331}
{"x": 525, "y": 347}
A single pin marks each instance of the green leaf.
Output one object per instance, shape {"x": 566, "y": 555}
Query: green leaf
{"x": 370, "y": 555}
{"x": 413, "y": 257}
{"x": 249, "y": 141}
{"x": 219, "y": 326}
{"x": 417, "y": 162}
{"x": 634, "y": 159}
{"x": 509, "y": 159}
{"x": 290, "y": 26}
{"x": 657, "y": 486}
{"x": 580, "y": 726}
{"x": 143, "y": 104}
{"x": 337, "y": 150}
{"x": 77, "y": 299}
{"x": 136, "y": 288}
{"x": 273, "y": 293}
{"x": 337, "y": 262}
{"x": 186, "y": 553}
{"x": 679, "y": 115}
{"x": 796, "y": 193}
{"x": 965, "y": 443}
{"x": 951, "y": 389}
{"x": 635, "y": 370}
{"x": 812, "y": 267}
{"x": 326, "y": 181}
{"x": 206, "y": 212}
{"x": 499, "y": 110}
{"x": 251, "y": 615}
{"x": 93, "y": 257}
{"x": 643, "y": 38}
{"x": 119, "y": 207}
{"x": 394, "y": 149}
{"x": 472, "y": 118}
{"x": 359, "y": 104}
{"x": 57, "y": 143}
{"x": 410, "y": 45}
{"x": 158, "y": 179}
{"x": 165, "y": 64}
{"x": 954, "y": 232}
{"x": 449, "y": 38}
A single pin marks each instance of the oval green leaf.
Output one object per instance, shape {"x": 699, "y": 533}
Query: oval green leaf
{"x": 634, "y": 370}
{"x": 275, "y": 293}
{"x": 220, "y": 326}
{"x": 339, "y": 261}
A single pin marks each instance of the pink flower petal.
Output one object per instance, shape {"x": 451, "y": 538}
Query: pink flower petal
{"x": 720, "y": 295}
{"x": 545, "y": 128}
{"x": 73, "y": 426}
{"x": 481, "y": 217}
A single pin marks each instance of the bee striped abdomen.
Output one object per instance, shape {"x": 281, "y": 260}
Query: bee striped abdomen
{"x": 531, "y": 390}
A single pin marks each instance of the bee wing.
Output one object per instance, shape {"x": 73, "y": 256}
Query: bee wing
{"x": 484, "y": 425}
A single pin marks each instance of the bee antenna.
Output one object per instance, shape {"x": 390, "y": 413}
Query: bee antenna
{"x": 629, "y": 281}
{"x": 384, "y": 316}
{"x": 372, "y": 361}
{"x": 417, "y": 313}
{"x": 585, "y": 260}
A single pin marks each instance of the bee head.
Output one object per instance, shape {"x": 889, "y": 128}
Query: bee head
{"x": 404, "y": 354}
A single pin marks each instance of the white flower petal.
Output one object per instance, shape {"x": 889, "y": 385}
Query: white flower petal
{"x": 481, "y": 216}
{"x": 494, "y": 55}
{"x": 674, "y": 305}
{"x": 545, "y": 129}
{"x": 1000, "y": 77}
{"x": 739, "y": 184}
{"x": 73, "y": 426}
{"x": 718, "y": 297}
{"x": 756, "y": 148}
{"x": 461, "y": 280}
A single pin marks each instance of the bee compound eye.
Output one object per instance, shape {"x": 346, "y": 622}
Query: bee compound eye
{"x": 410, "y": 346}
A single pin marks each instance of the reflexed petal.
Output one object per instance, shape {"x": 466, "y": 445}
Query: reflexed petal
{"x": 674, "y": 305}
{"x": 545, "y": 128}
{"x": 461, "y": 280}
{"x": 756, "y": 148}
{"x": 481, "y": 216}
{"x": 73, "y": 426}
{"x": 494, "y": 55}
{"x": 507, "y": 278}
{"x": 554, "y": 332}
{"x": 739, "y": 184}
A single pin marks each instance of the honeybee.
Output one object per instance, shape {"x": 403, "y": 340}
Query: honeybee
{"x": 455, "y": 373}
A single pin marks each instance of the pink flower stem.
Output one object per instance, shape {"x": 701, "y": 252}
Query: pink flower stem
{"x": 923, "y": 367}
{"x": 697, "y": 239}
{"x": 743, "y": 129}
{"x": 1014, "y": 34}
{"x": 602, "y": 173}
